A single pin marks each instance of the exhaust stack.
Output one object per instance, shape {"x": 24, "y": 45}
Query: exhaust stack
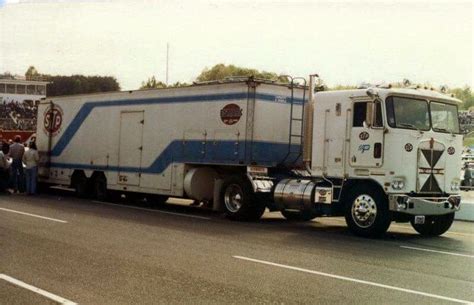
{"x": 308, "y": 124}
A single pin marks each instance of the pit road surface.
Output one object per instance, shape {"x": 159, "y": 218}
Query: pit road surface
{"x": 86, "y": 252}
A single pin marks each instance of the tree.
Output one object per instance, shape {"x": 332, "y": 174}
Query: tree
{"x": 80, "y": 84}
{"x": 222, "y": 71}
{"x": 31, "y": 73}
{"x": 152, "y": 83}
{"x": 464, "y": 94}
{"x": 74, "y": 84}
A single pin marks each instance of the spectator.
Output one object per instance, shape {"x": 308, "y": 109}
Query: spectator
{"x": 31, "y": 159}
{"x": 4, "y": 165}
{"x": 16, "y": 153}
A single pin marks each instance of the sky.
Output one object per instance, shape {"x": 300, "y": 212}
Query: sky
{"x": 345, "y": 42}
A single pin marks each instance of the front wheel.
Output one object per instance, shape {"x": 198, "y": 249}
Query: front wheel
{"x": 239, "y": 200}
{"x": 434, "y": 225}
{"x": 367, "y": 212}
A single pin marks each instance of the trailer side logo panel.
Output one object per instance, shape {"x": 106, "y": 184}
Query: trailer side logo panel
{"x": 52, "y": 120}
{"x": 231, "y": 114}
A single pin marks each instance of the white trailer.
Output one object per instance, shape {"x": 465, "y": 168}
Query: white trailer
{"x": 373, "y": 155}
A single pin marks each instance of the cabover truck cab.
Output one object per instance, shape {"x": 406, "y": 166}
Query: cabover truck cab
{"x": 240, "y": 146}
{"x": 379, "y": 155}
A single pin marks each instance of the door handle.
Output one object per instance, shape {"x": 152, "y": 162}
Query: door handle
{"x": 354, "y": 159}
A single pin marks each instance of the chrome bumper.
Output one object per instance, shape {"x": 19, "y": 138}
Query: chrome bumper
{"x": 424, "y": 205}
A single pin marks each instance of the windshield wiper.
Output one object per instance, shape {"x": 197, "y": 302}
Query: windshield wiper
{"x": 443, "y": 130}
{"x": 408, "y": 125}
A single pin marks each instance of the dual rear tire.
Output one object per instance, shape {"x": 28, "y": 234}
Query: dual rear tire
{"x": 239, "y": 201}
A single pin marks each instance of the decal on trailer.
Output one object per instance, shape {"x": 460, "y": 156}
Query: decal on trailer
{"x": 231, "y": 114}
{"x": 52, "y": 120}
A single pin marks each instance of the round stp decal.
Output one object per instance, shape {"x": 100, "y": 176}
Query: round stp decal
{"x": 363, "y": 135}
{"x": 231, "y": 114}
{"x": 408, "y": 147}
{"x": 52, "y": 120}
{"x": 451, "y": 150}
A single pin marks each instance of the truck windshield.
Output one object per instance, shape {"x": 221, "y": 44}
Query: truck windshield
{"x": 407, "y": 113}
{"x": 444, "y": 117}
{"x": 410, "y": 113}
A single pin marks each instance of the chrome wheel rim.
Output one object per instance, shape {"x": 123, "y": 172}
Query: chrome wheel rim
{"x": 233, "y": 197}
{"x": 364, "y": 211}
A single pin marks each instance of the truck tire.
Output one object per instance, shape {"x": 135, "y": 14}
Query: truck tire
{"x": 81, "y": 185}
{"x": 298, "y": 215}
{"x": 238, "y": 199}
{"x": 434, "y": 225}
{"x": 366, "y": 211}
{"x": 100, "y": 188}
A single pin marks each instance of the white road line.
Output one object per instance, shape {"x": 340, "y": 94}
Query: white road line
{"x": 150, "y": 210}
{"x": 345, "y": 278}
{"x": 437, "y": 251}
{"x": 37, "y": 290}
{"x": 33, "y": 215}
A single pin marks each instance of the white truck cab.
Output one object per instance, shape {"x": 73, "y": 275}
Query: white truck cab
{"x": 400, "y": 145}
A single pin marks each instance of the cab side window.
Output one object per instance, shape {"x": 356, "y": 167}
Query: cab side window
{"x": 360, "y": 114}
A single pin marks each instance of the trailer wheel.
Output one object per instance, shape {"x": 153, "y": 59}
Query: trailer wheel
{"x": 239, "y": 201}
{"x": 298, "y": 215}
{"x": 434, "y": 225}
{"x": 100, "y": 188}
{"x": 81, "y": 186}
{"x": 366, "y": 211}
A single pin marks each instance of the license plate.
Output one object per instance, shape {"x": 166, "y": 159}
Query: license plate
{"x": 419, "y": 220}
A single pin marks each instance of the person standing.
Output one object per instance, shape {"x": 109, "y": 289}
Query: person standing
{"x": 4, "y": 165}
{"x": 16, "y": 153}
{"x": 31, "y": 159}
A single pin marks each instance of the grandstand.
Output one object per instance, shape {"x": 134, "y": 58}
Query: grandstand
{"x": 19, "y": 99}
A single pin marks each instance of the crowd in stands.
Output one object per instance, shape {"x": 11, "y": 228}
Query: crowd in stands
{"x": 466, "y": 118}
{"x": 15, "y": 115}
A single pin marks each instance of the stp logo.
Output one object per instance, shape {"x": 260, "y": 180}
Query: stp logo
{"x": 52, "y": 120}
{"x": 231, "y": 114}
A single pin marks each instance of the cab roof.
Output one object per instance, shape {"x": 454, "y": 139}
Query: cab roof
{"x": 385, "y": 92}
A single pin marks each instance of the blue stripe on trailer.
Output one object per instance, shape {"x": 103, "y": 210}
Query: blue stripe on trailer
{"x": 87, "y": 108}
{"x": 264, "y": 153}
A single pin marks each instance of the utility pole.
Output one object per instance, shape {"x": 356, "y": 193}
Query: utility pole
{"x": 167, "y": 61}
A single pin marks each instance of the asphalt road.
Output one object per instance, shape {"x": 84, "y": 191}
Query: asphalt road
{"x": 58, "y": 249}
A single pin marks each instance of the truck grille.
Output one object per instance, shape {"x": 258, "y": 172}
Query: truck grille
{"x": 431, "y": 168}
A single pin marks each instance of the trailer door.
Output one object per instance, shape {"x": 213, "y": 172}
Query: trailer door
{"x": 130, "y": 147}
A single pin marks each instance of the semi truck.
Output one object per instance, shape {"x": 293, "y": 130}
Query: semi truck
{"x": 373, "y": 155}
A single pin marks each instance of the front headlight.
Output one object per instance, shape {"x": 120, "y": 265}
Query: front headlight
{"x": 398, "y": 183}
